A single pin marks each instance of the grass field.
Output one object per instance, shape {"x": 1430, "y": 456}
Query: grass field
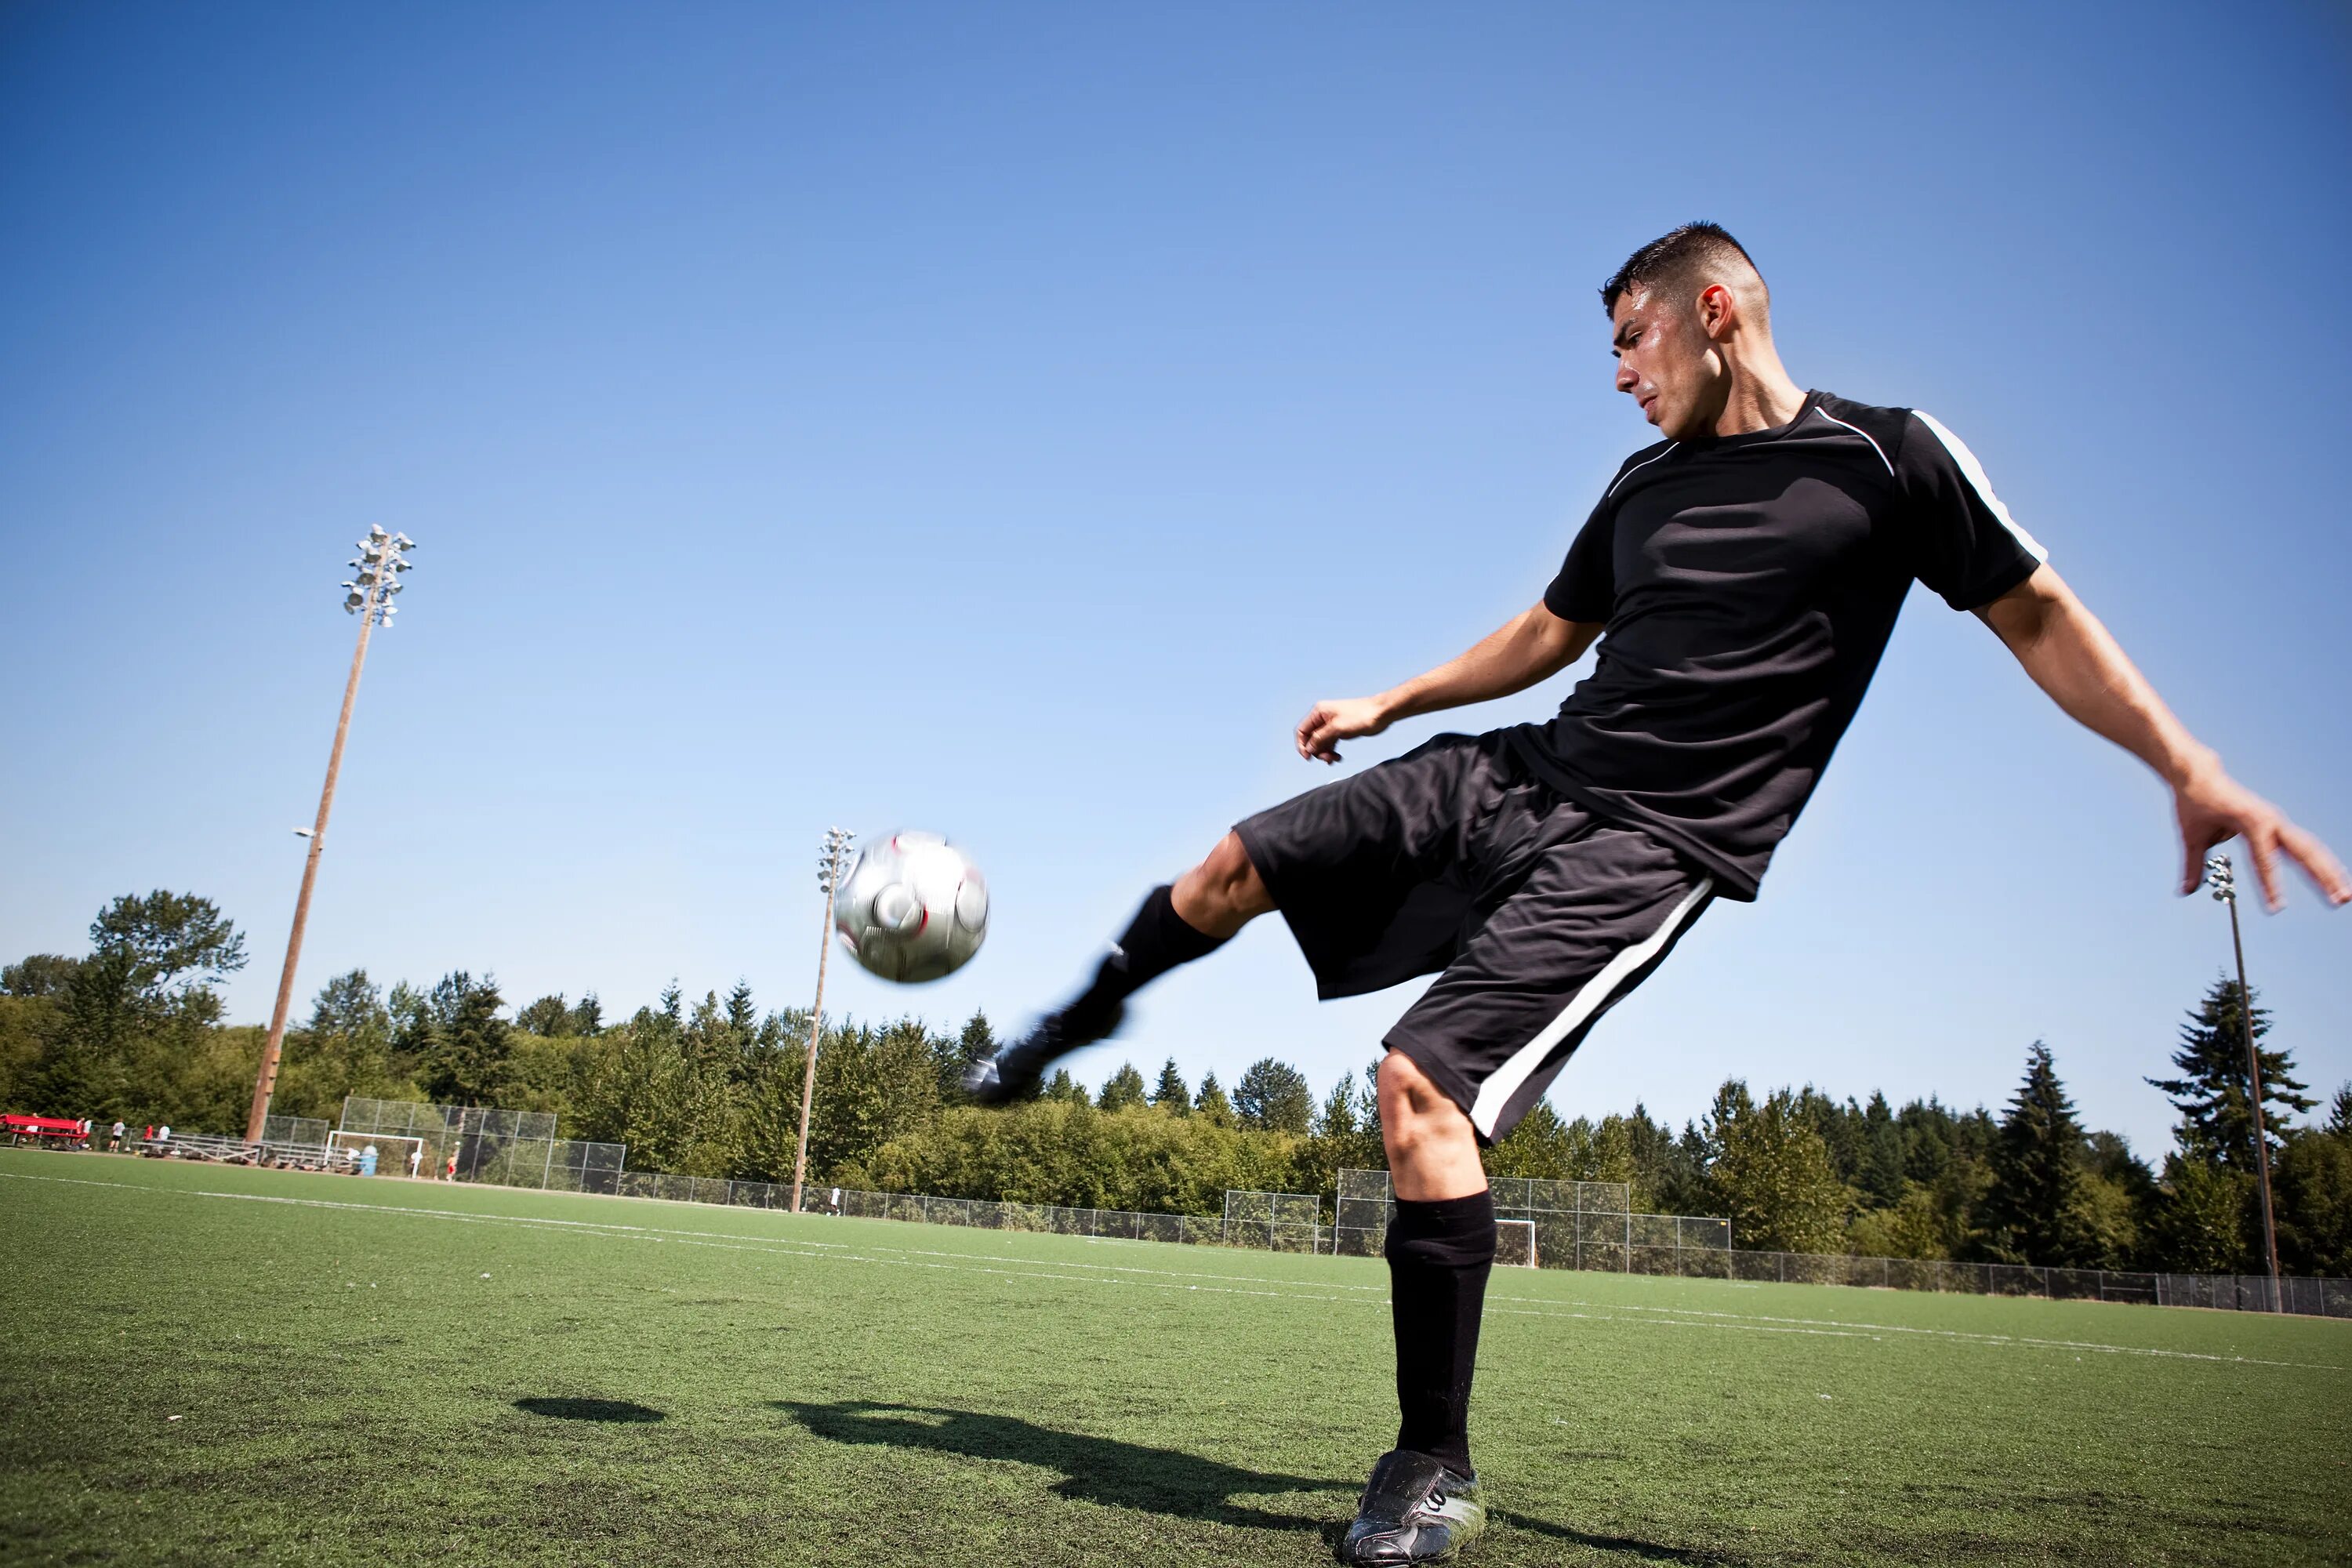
{"x": 205, "y": 1365}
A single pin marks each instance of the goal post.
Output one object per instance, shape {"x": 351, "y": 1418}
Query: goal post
{"x": 346, "y": 1150}
{"x": 1515, "y": 1243}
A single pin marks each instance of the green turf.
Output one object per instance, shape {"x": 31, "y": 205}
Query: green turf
{"x": 380, "y": 1370}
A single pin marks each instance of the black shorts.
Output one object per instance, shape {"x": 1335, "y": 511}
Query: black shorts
{"x": 1536, "y": 915}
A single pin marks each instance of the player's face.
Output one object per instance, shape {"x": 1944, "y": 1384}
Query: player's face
{"x": 1667, "y": 363}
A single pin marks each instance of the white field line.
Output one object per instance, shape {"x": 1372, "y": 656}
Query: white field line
{"x": 1168, "y": 1278}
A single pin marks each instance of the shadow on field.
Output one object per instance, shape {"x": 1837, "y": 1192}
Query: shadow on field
{"x": 1093, "y": 1469}
{"x": 590, "y": 1410}
{"x": 1154, "y": 1480}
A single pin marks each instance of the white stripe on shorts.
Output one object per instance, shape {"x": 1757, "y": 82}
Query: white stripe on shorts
{"x": 1505, "y": 1080}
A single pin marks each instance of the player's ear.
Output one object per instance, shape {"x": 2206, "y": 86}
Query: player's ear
{"x": 1717, "y": 311}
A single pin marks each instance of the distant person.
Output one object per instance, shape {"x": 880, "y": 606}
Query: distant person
{"x": 835, "y": 1209}
{"x": 163, "y": 1133}
{"x": 115, "y": 1142}
{"x": 416, "y": 1161}
{"x": 449, "y": 1171}
{"x": 1741, "y": 576}
{"x": 367, "y": 1161}
{"x": 149, "y": 1135}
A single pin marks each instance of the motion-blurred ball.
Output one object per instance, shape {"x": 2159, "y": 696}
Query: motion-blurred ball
{"x": 912, "y": 908}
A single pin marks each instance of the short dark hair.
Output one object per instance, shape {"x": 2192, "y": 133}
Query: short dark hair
{"x": 1671, "y": 255}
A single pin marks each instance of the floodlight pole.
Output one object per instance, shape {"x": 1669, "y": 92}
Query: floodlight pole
{"x": 832, "y": 861}
{"x": 380, "y": 566}
{"x": 2224, "y": 881}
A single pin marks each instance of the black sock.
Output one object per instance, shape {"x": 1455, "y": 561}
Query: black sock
{"x": 1154, "y": 942}
{"x": 1439, "y": 1255}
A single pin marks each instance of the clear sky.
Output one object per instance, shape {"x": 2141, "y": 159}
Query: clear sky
{"x": 1005, "y": 420}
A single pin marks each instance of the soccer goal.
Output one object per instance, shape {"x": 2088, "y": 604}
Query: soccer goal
{"x": 345, "y": 1150}
{"x": 1515, "y": 1243}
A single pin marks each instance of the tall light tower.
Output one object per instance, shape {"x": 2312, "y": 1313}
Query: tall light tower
{"x": 2224, "y": 883}
{"x": 368, "y": 595}
{"x": 832, "y": 863}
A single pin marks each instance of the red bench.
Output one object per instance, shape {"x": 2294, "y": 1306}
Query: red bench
{"x": 45, "y": 1128}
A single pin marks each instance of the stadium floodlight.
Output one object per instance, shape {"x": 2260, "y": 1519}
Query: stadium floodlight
{"x": 2222, "y": 878}
{"x": 832, "y": 865}
{"x": 368, "y": 595}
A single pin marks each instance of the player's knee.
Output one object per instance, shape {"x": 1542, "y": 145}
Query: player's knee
{"x": 1415, "y": 1114}
{"x": 1224, "y": 887}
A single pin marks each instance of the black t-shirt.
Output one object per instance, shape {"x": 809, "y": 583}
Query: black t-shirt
{"x": 1748, "y": 584}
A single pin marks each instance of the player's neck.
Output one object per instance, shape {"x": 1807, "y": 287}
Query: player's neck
{"x": 1761, "y": 397}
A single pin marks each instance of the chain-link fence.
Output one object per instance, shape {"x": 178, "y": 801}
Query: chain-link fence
{"x": 1574, "y": 1228}
{"x": 1568, "y": 1225}
{"x": 500, "y": 1148}
{"x": 1282, "y": 1222}
{"x": 297, "y": 1131}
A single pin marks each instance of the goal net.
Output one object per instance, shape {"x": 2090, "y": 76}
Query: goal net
{"x": 1515, "y": 1243}
{"x": 348, "y": 1152}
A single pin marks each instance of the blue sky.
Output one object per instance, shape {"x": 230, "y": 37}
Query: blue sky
{"x": 1005, "y": 420}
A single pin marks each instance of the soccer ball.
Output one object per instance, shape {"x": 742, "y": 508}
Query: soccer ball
{"x": 912, "y": 908}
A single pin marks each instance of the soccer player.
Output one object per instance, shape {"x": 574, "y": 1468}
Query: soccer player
{"x": 1741, "y": 577}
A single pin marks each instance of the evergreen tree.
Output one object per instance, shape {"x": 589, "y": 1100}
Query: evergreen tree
{"x": 1771, "y": 1174}
{"x": 2200, "y": 1222}
{"x": 548, "y": 1017}
{"x": 411, "y": 1028}
{"x": 743, "y": 1013}
{"x": 1881, "y": 1175}
{"x": 2311, "y": 1186}
{"x": 1122, "y": 1089}
{"x": 345, "y": 1050}
{"x": 1273, "y": 1097}
{"x": 1171, "y": 1093}
{"x": 975, "y": 1043}
{"x": 1669, "y": 1172}
{"x": 586, "y": 1020}
{"x": 644, "y": 1094}
{"x": 465, "y": 1063}
{"x": 1544, "y": 1147}
{"x": 1210, "y": 1103}
{"x": 767, "y": 1133}
{"x": 872, "y": 1085}
{"x": 2211, "y": 1092}
{"x": 2033, "y": 1213}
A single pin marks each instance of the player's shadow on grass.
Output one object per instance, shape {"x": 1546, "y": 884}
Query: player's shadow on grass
{"x": 619, "y": 1410}
{"x": 1128, "y": 1475}
{"x": 1093, "y": 1469}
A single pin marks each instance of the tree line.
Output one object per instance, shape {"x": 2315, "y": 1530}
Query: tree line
{"x": 133, "y": 1028}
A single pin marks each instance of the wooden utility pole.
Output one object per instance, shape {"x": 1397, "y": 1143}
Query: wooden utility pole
{"x": 831, "y": 863}
{"x": 379, "y": 579}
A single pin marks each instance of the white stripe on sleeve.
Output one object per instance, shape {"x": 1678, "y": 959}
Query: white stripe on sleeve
{"x": 1974, "y": 472}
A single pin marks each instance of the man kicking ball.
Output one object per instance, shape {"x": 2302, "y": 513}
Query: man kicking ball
{"x": 1744, "y": 574}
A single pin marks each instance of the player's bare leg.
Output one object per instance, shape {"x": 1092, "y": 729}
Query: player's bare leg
{"x": 1422, "y": 1503}
{"x": 1178, "y": 923}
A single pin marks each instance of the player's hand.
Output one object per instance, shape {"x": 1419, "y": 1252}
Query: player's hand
{"x": 2214, "y": 808}
{"x": 1334, "y": 720}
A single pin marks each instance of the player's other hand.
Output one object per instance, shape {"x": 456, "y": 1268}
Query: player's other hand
{"x": 1338, "y": 719}
{"x": 2214, "y": 807}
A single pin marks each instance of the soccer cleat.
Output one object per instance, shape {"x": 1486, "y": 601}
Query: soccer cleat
{"x": 1014, "y": 1072}
{"x": 1414, "y": 1510}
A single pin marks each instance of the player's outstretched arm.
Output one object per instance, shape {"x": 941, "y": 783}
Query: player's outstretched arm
{"x": 2074, "y": 659}
{"x": 1532, "y": 646}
